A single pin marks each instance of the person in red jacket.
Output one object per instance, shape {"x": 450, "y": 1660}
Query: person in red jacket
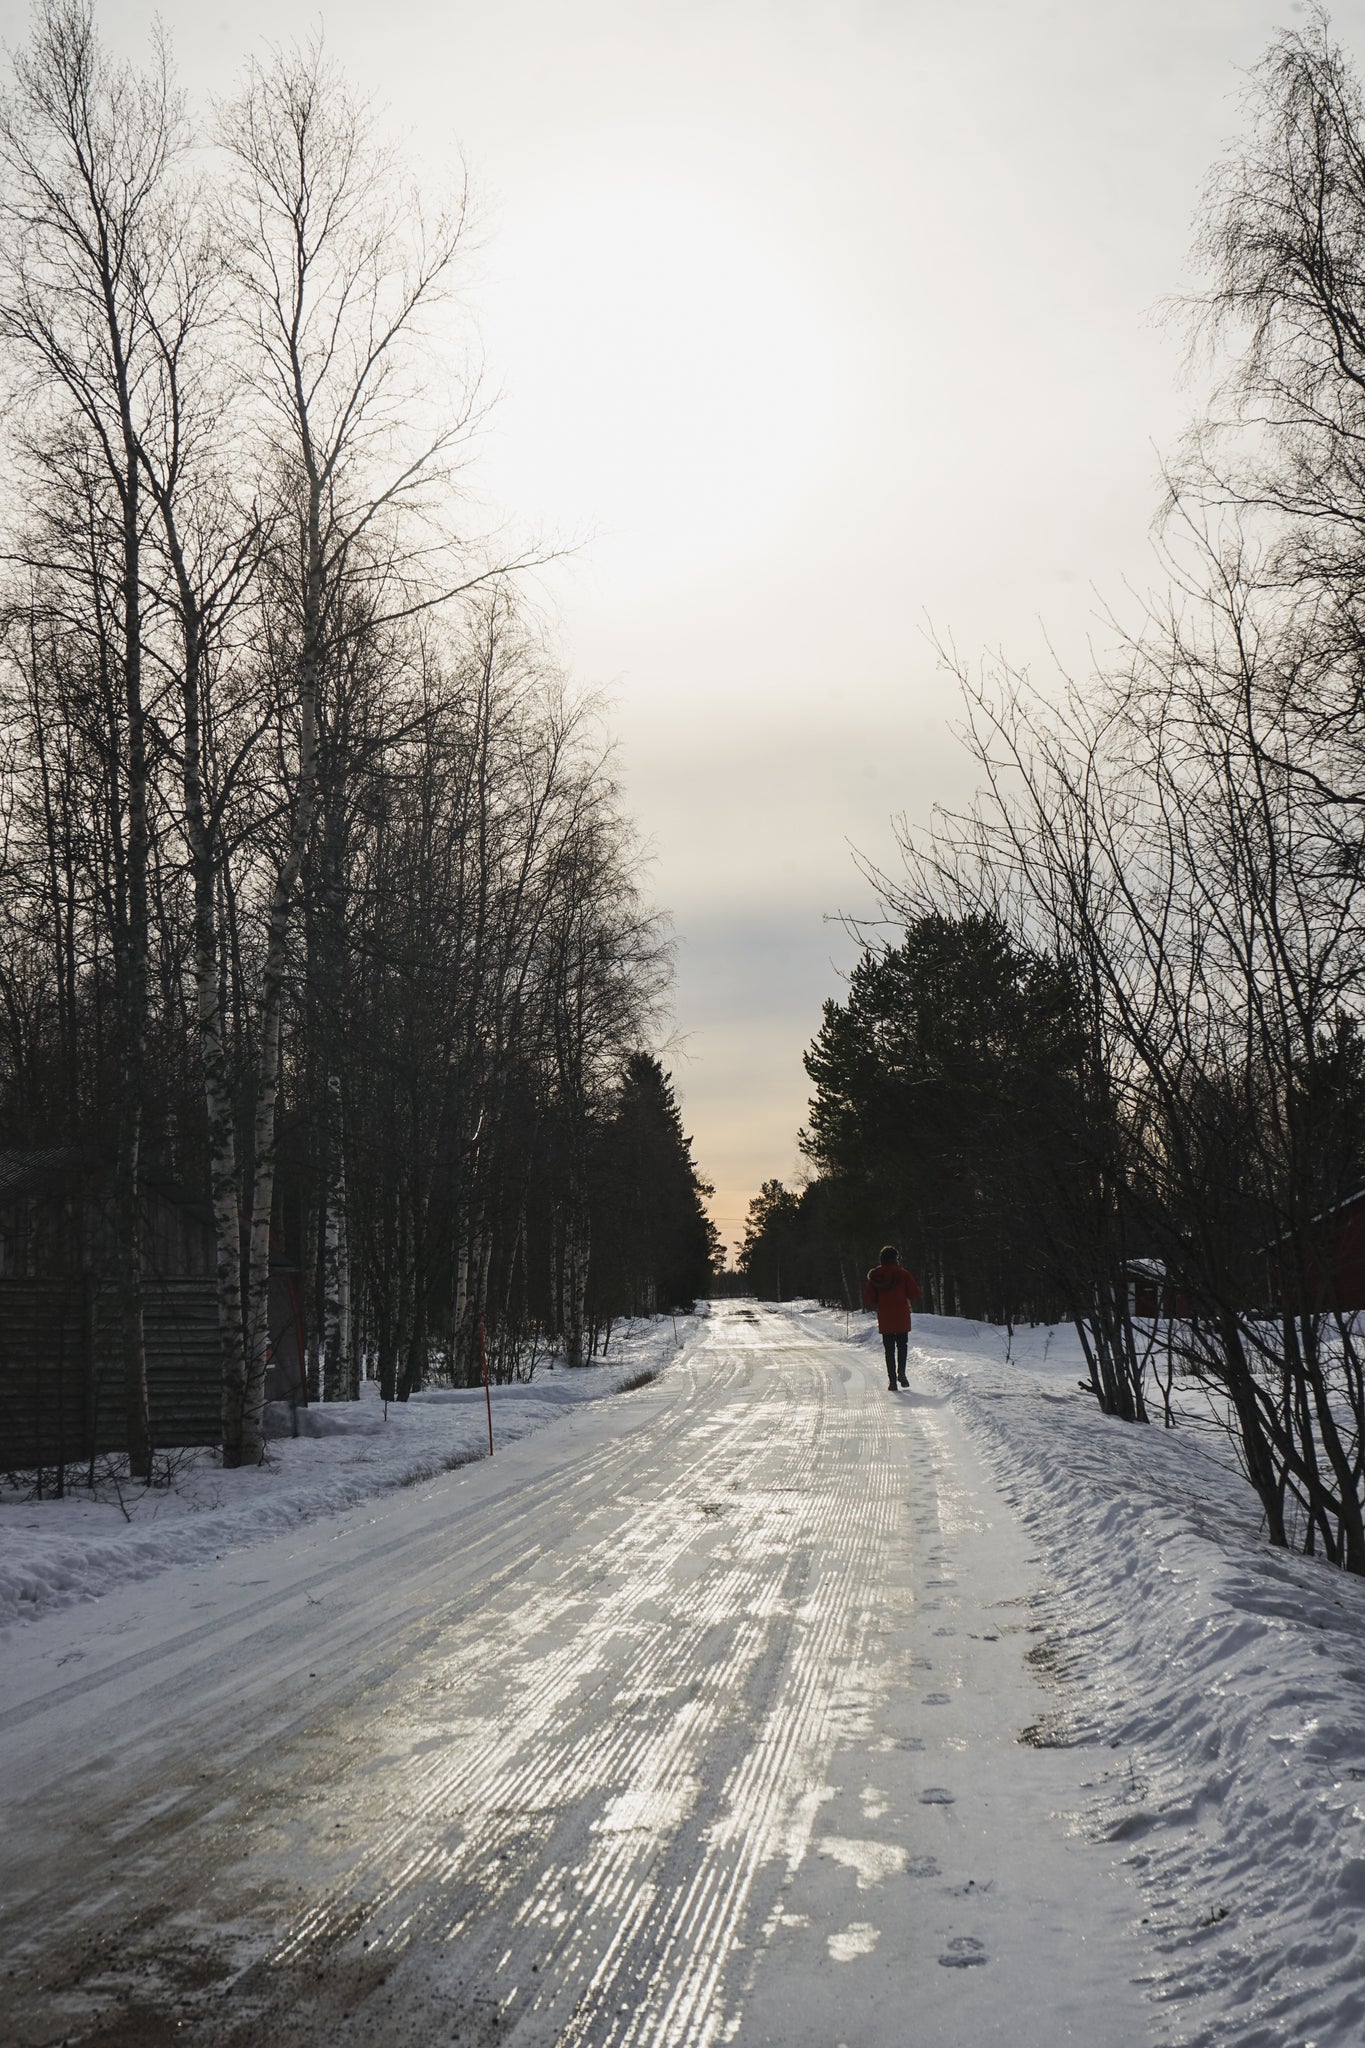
{"x": 890, "y": 1289}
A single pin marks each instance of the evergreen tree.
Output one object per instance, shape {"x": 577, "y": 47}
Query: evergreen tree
{"x": 769, "y": 1253}
{"x": 948, "y": 1092}
{"x": 654, "y": 1246}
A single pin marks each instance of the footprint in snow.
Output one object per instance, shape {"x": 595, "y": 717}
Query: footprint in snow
{"x": 937, "y": 1699}
{"x": 962, "y": 1953}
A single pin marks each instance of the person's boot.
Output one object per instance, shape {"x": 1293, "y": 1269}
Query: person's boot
{"x": 901, "y": 1380}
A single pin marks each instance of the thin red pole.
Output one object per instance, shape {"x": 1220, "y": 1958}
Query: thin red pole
{"x": 483, "y": 1352}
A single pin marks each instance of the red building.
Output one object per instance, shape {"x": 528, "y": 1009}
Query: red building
{"x": 1152, "y": 1292}
{"x": 1333, "y": 1276}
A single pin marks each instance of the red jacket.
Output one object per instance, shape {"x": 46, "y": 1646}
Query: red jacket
{"x": 890, "y": 1290}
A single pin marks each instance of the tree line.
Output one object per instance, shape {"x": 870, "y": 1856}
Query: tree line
{"x": 317, "y": 889}
{"x": 1118, "y": 1034}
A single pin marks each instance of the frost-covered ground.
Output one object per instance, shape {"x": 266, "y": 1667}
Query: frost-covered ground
{"x": 56, "y": 1551}
{"x": 1220, "y": 1683}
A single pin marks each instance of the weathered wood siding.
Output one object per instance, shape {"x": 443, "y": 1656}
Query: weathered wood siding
{"x": 61, "y": 1374}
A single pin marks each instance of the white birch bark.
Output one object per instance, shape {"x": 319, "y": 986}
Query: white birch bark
{"x": 336, "y": 1280}
{"x": 575, "y": 1297}
{"x": 252, "y": 1436}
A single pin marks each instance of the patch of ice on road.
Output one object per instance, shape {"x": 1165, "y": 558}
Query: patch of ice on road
{"x": 874, "y": 1862}
{"x": 858, "y": 1940}
{"x": 651, "y": 1809}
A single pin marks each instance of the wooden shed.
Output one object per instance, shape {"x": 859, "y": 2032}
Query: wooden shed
{"x": 61, "y": 1368}
{"x": 1152, "y": 1292}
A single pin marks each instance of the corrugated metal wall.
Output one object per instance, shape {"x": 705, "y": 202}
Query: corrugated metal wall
{"x": 61, "y": 1374}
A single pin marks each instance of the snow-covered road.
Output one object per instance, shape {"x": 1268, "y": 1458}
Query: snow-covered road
{"x": 693, "y": 1719}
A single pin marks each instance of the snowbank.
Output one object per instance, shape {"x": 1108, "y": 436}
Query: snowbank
{"x": 1220, "y": 1683}
{"x": 55, "y": 1551}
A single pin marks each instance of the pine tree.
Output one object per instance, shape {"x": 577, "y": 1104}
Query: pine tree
{"x": 654, "y": 1246}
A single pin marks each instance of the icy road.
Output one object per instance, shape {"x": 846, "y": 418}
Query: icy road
{"x": 695, "y": 1719}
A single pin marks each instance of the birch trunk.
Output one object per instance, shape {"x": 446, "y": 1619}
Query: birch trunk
{"x": 336, "y": 1281}
{"x": 415, "y": 1362}
{"x": 218, "y": 1103}
{"x": 249, "y": 1446}
{"x": 401, "y": 1288}
{"x": 485, "y": 1267}
{"x": 575, "y": 1278}
{"x": 215, "y": 1065}
{"x": 461, "y": 1360}
{"x": 128, "y": 1176}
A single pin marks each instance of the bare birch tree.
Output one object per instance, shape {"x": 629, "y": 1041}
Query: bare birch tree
{"x": 87, "y": 149}
{"x": 351, "y": 849}
{"x": 335, "y": 269}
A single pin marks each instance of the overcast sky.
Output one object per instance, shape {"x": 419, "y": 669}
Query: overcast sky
{"x": 823, "y": 319}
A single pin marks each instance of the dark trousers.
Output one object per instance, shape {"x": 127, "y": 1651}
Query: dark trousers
{"x": 895, "y": 1344}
